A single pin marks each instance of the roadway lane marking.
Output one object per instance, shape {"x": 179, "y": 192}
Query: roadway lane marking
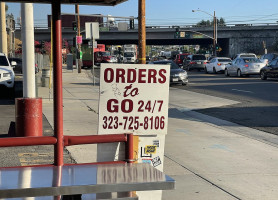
{"x": 242, "y": 91}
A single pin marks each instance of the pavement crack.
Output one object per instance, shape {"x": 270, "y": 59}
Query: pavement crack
{"x": 90, "y": 109}
{"x": 205, "y": 179}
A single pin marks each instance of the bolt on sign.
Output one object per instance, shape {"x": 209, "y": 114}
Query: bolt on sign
{"x": 134, "y": 99}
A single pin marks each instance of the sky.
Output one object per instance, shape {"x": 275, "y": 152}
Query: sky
{"x": 172, "y": 12}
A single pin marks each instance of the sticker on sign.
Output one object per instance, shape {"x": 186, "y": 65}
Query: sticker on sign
{"x": 134, "y": 99}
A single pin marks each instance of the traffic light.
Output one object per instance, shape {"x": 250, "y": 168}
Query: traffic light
{"x": 177, "y": 33}
{"x": 217, "y": 47}
{"x": 74, "y": 42}
{"x": 74, "y": 25}
{"x": 131, "y": 24}
{"x": 42, "y": 44}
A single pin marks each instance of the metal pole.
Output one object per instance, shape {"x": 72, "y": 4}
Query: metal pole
{"x": 58, "y": 87}
{"x": 93, "y": 58}
{"x": 142, "y": 31}
{"x": 214, "y": 34}
{"x": 3, "y": 32}
{"x": 78, "y": 34}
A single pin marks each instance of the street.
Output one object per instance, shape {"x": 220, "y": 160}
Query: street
{"x": 258, "y": 99}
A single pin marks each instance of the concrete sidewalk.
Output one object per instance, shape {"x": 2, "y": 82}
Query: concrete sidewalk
{"x": 209, "y": 158}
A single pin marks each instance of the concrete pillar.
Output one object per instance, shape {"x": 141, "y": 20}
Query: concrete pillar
{"x": 28, "y": 50}
{"x": 28, "y": 108}
{"x": 3, "y": 32}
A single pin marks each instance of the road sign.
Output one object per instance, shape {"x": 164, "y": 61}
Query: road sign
{"x": 95, "y": 44}
{"x": 182, "y": 34}
{"x": 92, "y": 30}
{"x": 134, "y": 98}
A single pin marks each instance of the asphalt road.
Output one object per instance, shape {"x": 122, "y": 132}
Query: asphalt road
{"x": 258, "y": 107}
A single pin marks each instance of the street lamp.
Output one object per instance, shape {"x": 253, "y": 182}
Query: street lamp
{"x": 214, "y": 28}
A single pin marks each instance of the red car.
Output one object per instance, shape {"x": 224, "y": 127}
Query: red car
{"x": 179, "y": 58}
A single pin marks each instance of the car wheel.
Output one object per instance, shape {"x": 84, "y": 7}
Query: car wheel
{"x": 214, "y": 71}
{"x": 184, "y": 83}
{"x": 226, "y": 72}
{"x": 263, "y": 76}
{"x": 239, "y": 73}
{"x": 206, "y": 71}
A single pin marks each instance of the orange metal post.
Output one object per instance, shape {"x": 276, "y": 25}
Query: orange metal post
{"x": 142, "y": 31}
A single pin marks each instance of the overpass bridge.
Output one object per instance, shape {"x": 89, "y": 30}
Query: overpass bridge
{"x": 232, "y": 39}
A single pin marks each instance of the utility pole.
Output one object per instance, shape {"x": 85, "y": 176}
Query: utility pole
{"x": 142, "y": 31}
{"x": 3, "y": 32}
{"x": 78, "y": 48}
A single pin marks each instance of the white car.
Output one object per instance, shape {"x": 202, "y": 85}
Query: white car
{"x": 6, "y": 72}
{"x": 217, "y": 64}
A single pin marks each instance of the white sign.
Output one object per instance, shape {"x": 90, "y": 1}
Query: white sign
{"x": 134, "y": 99}
{"x": 95, "y": 44}
{"x": 92, "y": 30}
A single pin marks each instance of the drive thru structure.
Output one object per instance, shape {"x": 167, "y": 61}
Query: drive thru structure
{"x": 60, "y": 180}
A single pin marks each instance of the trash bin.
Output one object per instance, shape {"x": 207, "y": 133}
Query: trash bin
{"x": 45, "y": 77}
{"x": 69, "y": 61}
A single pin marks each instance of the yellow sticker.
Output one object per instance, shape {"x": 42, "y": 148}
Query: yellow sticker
{"x": 150, "y": 149}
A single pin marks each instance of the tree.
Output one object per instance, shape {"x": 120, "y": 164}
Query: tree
{"x": 17, "y": 44}
{"x": 220, "y": 22}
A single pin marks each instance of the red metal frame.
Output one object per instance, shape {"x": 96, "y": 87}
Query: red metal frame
{"x": 59, "y": 140}
{"x": 73, "y": 140}
{"x": 57, "y": 81}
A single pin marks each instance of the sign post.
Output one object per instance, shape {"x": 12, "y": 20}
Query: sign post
{"x": 92, "y": 33}
{"x": 134, "y": 99}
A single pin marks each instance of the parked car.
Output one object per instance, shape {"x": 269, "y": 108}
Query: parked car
{"x": 18, "y": 67}
{"x": 196, "y": 61}
{"x": 217, "y": 64}
{"x": 177, "y": 75}
{"x": 245, "y": 55}
{"x": 270, "y": 71}
{"x": 244, "y": 66}
{"x": 179, "y": 58}
{"x": 6, "y": 71}
{"x": 267, "y": 58}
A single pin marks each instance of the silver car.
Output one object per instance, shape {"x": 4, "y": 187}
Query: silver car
{"x": 244, "y": 66}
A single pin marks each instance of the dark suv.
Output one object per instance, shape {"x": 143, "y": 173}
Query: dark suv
{"x": 195, "y": 61}
{"x": 267, "y": 58}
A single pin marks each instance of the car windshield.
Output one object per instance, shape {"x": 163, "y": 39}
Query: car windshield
{"x": 3, "y": 61}
{"x": 251, "y": 60}
{"x": 105, "y": 53}
{"x": 198, "y": 57}
{"x": 182, "y": 56}
{"x": 128, "y": 54}
{"x": 173, "y": 65}
{"x": 224, "y": 60}
{"x": 248, "y": 55}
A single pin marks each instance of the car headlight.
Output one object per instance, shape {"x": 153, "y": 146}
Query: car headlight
{"x": 183, "y": 74}
{"x": 7, "y": 74}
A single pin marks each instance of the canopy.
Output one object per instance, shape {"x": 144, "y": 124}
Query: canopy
{"x": 85, "y": 2}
